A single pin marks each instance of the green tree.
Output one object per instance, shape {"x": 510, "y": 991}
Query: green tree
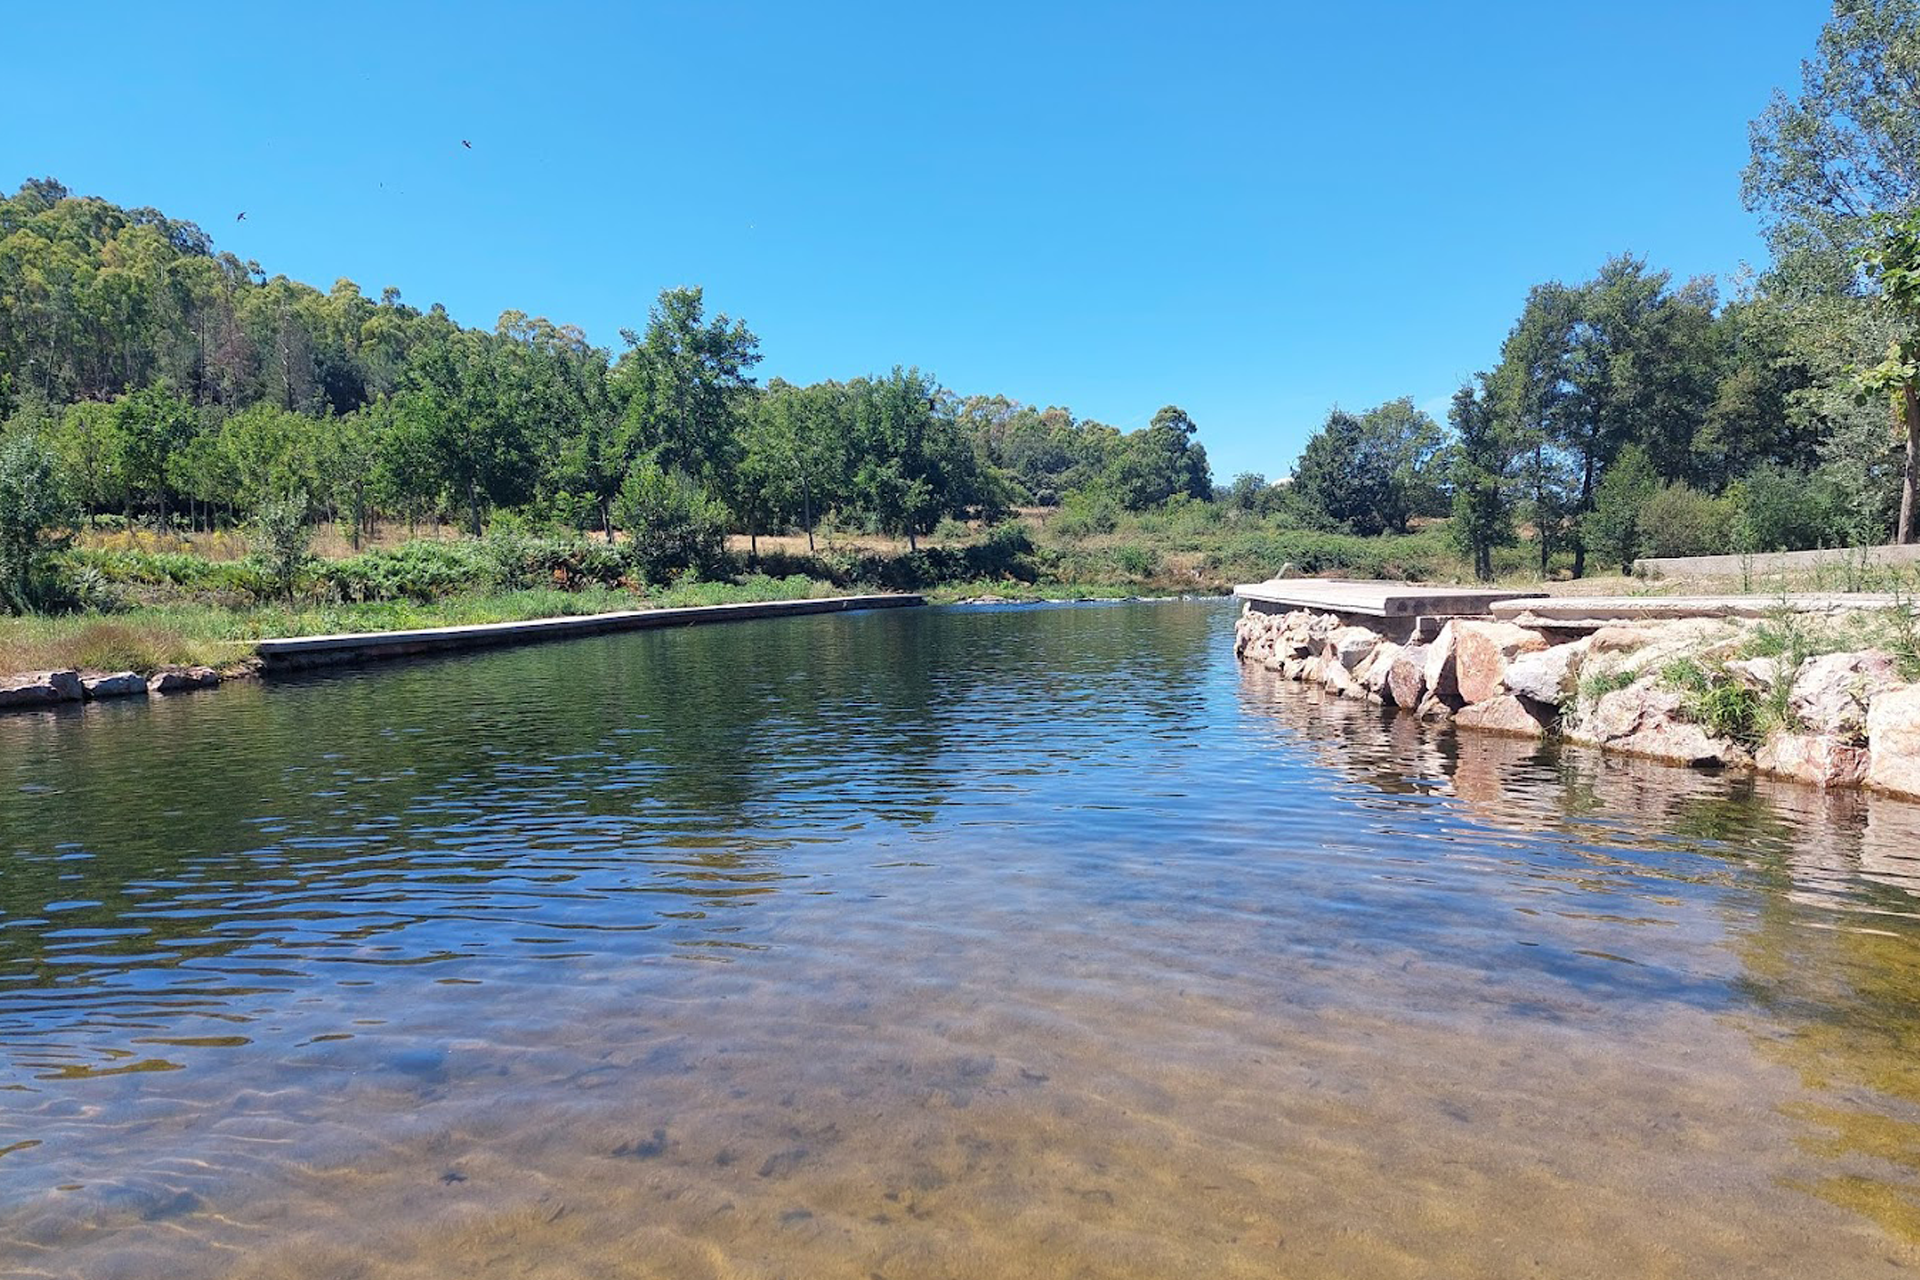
{"x": 1482, "y": 456}
{"x": 673, "y": 523}
{"x": 683, "y": 380}
{"x": 1162, "y": 461}
{"x": 148, "y": 427}
{"x": 1370, "y": 474}
{"x": 1847, "y": 146}
{"x": 1894, "y": 261}
{"x": 281, "y": 535}
{"x": 35, "y": 513}
{"x": 1613, "y": 527}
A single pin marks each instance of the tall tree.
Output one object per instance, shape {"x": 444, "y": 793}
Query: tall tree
{"x": 1895, "y": 263}
{"x": 1848, "y": 145}
{"x": 1482, "y": 455}
{"x": 683, "y": 379}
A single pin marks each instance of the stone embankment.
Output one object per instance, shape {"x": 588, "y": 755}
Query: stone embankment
{"x": 1688, "y": 691}
{"x": 50, "y": 688}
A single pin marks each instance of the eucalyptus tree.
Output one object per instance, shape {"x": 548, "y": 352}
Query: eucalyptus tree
{"x": 682, "y": 381}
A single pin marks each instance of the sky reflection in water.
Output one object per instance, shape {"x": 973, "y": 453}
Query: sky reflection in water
{"x": 964, "y": 942}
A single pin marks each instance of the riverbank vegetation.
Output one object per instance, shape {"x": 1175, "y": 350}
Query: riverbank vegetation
{"x": 180, "y": 430}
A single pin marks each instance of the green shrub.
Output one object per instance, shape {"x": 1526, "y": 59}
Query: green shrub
{"x": 35, "y": 511}
{"x": 1777, "y": 509}
{"x": 1136, "y": 561}
{"x": 1679, "y": 521}
{"x": 675, "y": 525}
{"x": 281, "y": 537}
{"x": 1087, "y": 513}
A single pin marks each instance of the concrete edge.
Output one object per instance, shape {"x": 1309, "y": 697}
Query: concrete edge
{"x": 298, "y": 652}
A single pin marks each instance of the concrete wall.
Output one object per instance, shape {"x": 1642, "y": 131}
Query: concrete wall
{"x": 1774, "y": 562}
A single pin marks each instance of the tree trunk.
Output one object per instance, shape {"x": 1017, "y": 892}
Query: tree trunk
{"x": 806, "y": 504}
{"x": 1910, "y": 480}
{"x": 473, "y": 504}
{"x": 606, "y": 520}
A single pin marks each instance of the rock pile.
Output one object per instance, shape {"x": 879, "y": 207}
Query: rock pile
{"x": 50, "y": 688}
{"x": 1682, "y": 691}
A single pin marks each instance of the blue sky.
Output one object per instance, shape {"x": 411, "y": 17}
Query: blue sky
{"x": 1254, "y": 211}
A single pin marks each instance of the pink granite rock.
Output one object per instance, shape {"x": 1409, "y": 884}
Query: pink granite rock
{"x": 1482, "y": 651}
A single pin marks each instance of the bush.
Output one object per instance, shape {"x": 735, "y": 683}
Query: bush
{"x": 1678, "y": 521}
{"x": 281, "y": 536}
{"x": 1085, "y": 513}
{"x": 34, "y": 513}
{"x": 673, "y": 522}
{"x": 1777, "y": 509}
{"x": 418, "y": 572}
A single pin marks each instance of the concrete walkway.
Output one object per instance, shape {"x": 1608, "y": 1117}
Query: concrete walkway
{"x": 313, "y": 651}
{"x": 1376, "y": 599}
{"x": 1577, "y": 613}
{"x": 1395, "y": 609}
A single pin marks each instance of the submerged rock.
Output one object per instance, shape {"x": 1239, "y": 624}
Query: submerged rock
{"x": 1407, "y": 676}
{"x": 122, "y": 684}
{"x": 1645, "y": 720}
{"x": 1814, "y": 758}
{"x": 1442, "y": 671}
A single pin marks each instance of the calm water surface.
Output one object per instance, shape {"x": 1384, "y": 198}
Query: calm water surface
{"x": 969, "y": 943}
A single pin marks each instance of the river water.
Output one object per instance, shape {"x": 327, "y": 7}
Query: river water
{"x": 945, "y": 943}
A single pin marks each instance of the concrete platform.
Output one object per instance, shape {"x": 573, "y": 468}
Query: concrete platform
{"x": 314, "y": 651}
{"x": 1588, "y": 613}
{"x": 1377, "y": 599}
{"x": 1395, "y": 609}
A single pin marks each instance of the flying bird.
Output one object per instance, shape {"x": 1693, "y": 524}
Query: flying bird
{"x": 466, "y": 144}
{"x": 241, "y": 216}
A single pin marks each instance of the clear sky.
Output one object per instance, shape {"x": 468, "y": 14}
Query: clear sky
{"x": 1251, "y": 210}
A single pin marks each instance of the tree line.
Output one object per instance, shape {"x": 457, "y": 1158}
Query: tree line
{"x": 176, "y": 383}
{"x": 1632, "y": 414}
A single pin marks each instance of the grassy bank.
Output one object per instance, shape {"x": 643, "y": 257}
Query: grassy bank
{"x": 142, "y": 600}
{"x": 192, "y": 632}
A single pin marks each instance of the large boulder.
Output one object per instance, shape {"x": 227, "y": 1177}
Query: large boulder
{"x": 1893, "y": 735}
{"x": 1647, "y": 720}
{"x": 1550, "y": 675}
{"x": 1506, "y": 714}
{"x": 1831, "y": 693}
{"x": 1482, "y": 651}
{"x": 1442, "y": 670}
{"x": 121, "y": 684}
{"x": 40, "y": 689}
{"x": 1373, "y": 673}
{"x": 1407, "y": 676}
{"x": 183, "y": 679}
{"x": 1349, "y": 646}
{"x": 1814, "y": 758}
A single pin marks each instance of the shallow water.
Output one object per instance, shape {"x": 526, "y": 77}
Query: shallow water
{"x": 1030, "y": 942}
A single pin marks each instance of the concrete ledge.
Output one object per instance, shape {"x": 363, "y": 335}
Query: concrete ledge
{"x": 1576, "y": 613}
{"x": 1774, "y": 562}
{"x": 313, "y": 651}
{"x": 1376, "y": 599}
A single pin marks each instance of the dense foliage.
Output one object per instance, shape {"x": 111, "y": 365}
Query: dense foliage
{"x": 177, "y": 384}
